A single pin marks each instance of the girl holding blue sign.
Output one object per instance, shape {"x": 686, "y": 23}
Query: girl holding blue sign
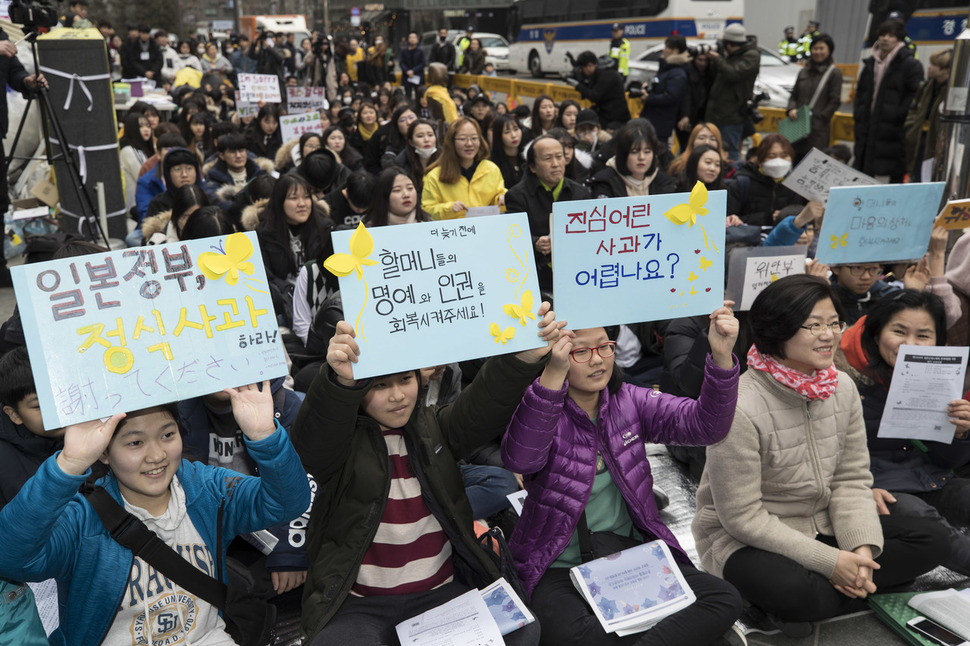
{"x": 578, "y": 438}
{"x": 106, "y": 594}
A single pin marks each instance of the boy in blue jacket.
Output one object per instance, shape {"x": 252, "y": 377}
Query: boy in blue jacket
{"x": 106, "y": 594}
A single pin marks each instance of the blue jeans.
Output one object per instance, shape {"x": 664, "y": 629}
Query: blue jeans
{"x": 731, "y": 134}
{"x": 135, "y": 239}
{"x": 487, "y": 488}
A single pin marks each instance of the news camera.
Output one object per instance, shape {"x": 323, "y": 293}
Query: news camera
{"x": 40, "y": 14}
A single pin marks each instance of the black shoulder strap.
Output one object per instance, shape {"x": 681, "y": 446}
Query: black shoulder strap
{"x": 132, "y": 533}
{"x": 585, "y": 544}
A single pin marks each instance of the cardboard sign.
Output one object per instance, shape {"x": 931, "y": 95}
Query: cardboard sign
{"x": 955, "y": 215}
{"x": 817, "y": 173}
{"x": 294, "y": 125}
{"x": 631, "y": 259}
{"x": 431, "y": 293}
{"x": 245, "y": 108}
{"x": 754, "y": 268}
{"x": 306, "y": 99}
{"x": 125, "y": 330}
{"x": 254, "y": 88}
{"x": 878, "y": 223}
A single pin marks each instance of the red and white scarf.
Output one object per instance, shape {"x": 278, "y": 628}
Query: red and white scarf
{"x": 819, "y": 385}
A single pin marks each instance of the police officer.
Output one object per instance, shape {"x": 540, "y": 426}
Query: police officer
{"x": 620, "y": 50}
{"x": 805, "y": 42}
{"x": 463, "y": 44}
{"x": 790, "y": 47}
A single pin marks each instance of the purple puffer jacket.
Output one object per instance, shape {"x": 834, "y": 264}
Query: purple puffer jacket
{"x": 552, "y": 441}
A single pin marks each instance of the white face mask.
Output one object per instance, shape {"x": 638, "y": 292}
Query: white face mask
{"x": 776, "y": 168}
{"x": 424, "y": 153}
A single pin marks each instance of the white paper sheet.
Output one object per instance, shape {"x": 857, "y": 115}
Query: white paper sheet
{"x": 517, "y": 499}
{"x": 480, "y": 211}
{"x": 925, "y": 380}
{"x": 45, "y": 596}
{"x": 463, "y": 621}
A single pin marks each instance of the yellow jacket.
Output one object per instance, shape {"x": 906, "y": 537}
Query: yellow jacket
{"x": 352, "y": 60}
{"x": 440, "y": 94}
{"x": 484, "y": 190}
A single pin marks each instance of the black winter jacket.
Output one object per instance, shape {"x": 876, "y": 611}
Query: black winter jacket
{"x": 605, "y": 89}
{"x": 754, "y": 197}
{"x": 21, "y": 454}
{"x": 880, "y": 144}
{"x": 662, "y": 104}
{"x": 608, "y": 183}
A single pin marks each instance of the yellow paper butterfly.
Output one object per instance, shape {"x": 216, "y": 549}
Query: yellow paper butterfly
{"x": 693, "y": 292}
{"x": 523, "y": 310}
{"x": 691, "y": 277}
{"x": 361, "y": 245}
{"x": 705, "y": 263}
{"x": 689, "y": 212}
{"x": 838, "y": 241}
{"x": 774, "y": 277}
{"x": 504, "y": 336}
{"x": 215, "y": 265}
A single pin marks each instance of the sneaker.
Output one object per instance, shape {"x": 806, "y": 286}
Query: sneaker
{"x": 735, "y": 637}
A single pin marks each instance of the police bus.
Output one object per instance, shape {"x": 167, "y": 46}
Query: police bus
{"x": 546, "y": 29}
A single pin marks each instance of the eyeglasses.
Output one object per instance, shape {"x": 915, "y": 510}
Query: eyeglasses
{"x": 860, "y": 270}
{"x": 583, "y": 355}
{"x": 182, "y": 170}
{"x": 838, "y": 327}
{"x": 467, "y": 140}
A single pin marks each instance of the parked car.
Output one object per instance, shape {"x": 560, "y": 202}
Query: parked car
{"x": 495, "y": 46}
{"x": 776, "y": 77}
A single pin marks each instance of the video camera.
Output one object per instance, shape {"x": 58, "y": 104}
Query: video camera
{"x": 703, "y": 49}
{"x": 34, "y": 15}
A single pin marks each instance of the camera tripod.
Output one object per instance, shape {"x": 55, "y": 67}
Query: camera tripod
{"x": 50, "y": 121}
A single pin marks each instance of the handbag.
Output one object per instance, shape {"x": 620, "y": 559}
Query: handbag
{"x": 802, "y": 127}
{"x": 249, "y": 619}
{"x": 594, "y": 545}
{"x": 494, "y": 544}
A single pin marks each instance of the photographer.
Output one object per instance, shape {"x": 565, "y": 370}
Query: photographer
{"x": 662, "y": 97}
{"x": 735, "y": 70}
{"x": 321, "y": 67}
{"x": 604, "y": 88}
{"x": 12, "y": 74}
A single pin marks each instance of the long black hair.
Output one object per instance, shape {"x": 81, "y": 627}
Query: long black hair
{"x": 379, "y": 209}
{"x": 132, "y": 136}
{"x": 688, "y": 178}
{"x": 274, "y": 218}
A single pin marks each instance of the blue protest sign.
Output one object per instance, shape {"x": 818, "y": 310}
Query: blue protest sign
{"x": 878, "y": 223}
{"x": 632, "y": 259}
{"x": 124, "y": 330}
{"x": 430, "y": 293}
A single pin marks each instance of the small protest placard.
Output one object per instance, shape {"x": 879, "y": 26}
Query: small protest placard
{"x": 123, "y": 330}
{"x": 754, "y": 268}
{"x": 878, "y": 223}
{"x": 306, "y": 99}
{"x": 631, "y": 259}
{"x": 254, "y": 88}
{"x": 818, "y": 173}
{"x": 294, "y": 125}
{"x": 955, "y": 215}
{"x": 245, "y": 108}
{"x": 430, "y": 293}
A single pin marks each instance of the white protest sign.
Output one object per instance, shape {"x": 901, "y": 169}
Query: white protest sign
{"x": 306, "y": 99}
{"x": 754, "y": 268}
{"x": 294, "y": 125}
{"x": 817, "y": 173}
{"x": 259, "y": 87}
{"x": 245, "y": 108}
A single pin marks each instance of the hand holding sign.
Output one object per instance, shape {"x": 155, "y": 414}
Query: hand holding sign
{"x": 722, "y": 334}
{"x": 342, "y": 353}
{"x": 86, "y": 442}
{"x": 549, "y": 332}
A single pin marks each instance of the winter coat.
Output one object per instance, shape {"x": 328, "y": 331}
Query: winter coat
{"x": 165, "y": 200}
{"x": 734, "y": 77}
{"x": 473, "y": 63}
{"x": 21, "y": 454}
{"x": 694, "y": 104}
{"x": 880, "y": 145}
{"x": 134, "y": 64}
{"x": 756, "y": 197}
{"x": 666, "y": 93}
{"x": 789, "y": 469}
{"x": 412, "y": 60}
{"x": 605, "y": 90}
{"x": 50, "y": 530}
{"x": 608, "y": 183}
{"x": 322, "y": 72}
{"x": 219, "y": 185}
{"x": 12, "y": 73}
{"x": 828, "y": 102}
{"x": 484, "y": 190}
{"x": 345, "y": 452}
{"x": 854, "y": 307}
{"x": 149, "y": 185}
{"x": 380, "y": 151}
{"x": 553, "y": 443}
{"x": 531, "y": 197}
{"x": 444, "y": 54}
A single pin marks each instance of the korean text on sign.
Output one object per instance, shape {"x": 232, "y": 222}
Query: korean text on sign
{"x": 123, "y": 330}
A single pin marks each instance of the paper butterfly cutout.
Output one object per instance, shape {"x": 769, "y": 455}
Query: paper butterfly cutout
{"x": 838, "y": 241}
{"x": 504, "y": 336}
{"x": 523, "y": 310}
{"x": 689, "y": 212}
{"x": 231, "y": 262}
{"x": 361, "y": 245}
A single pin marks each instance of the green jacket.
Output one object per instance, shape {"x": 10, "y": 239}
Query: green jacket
{"x": 347, "y": 456}
{"x": 734, "y": 78}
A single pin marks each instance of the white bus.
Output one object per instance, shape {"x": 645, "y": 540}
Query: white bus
{"x": 546, "y": 29}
